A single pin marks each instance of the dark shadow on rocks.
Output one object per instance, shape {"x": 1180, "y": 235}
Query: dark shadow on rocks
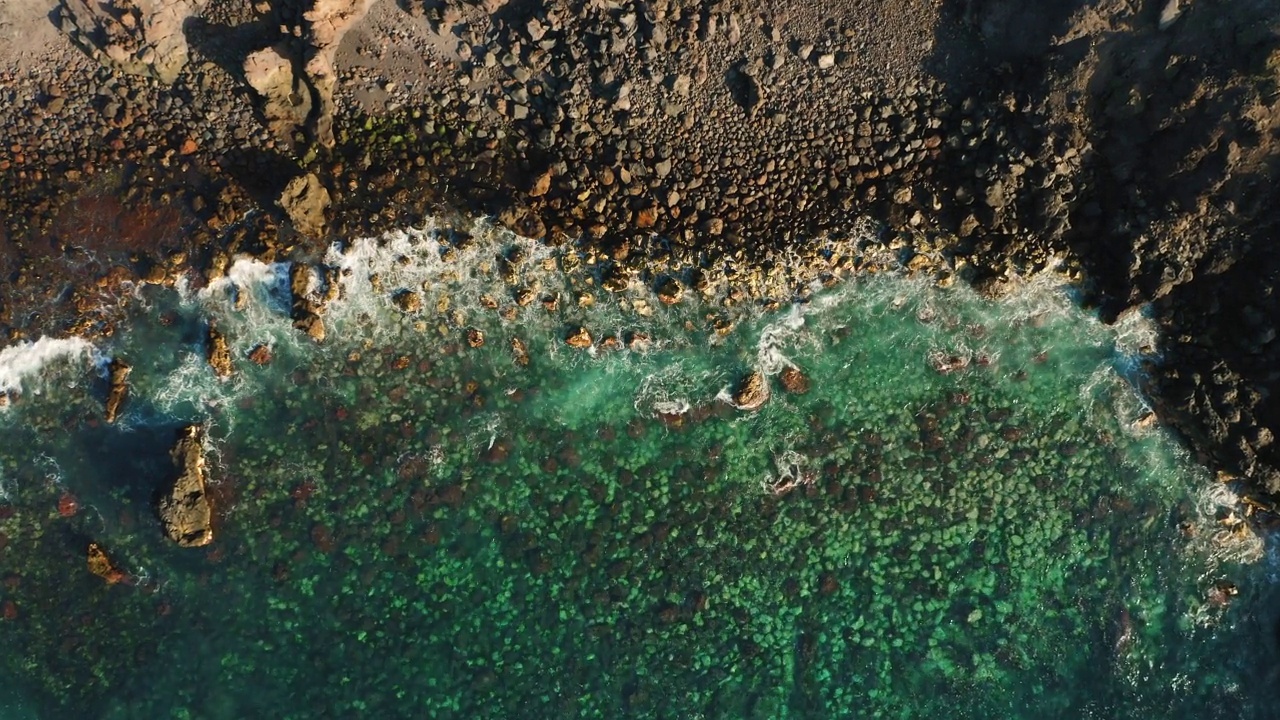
{"x": 978, "y": 39}
{"x": 227, "y": 46}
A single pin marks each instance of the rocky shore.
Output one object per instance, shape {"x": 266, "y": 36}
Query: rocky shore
{"x": 679, "y": 144}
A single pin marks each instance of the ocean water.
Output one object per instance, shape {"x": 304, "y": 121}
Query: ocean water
{"x": 968, "y": 512}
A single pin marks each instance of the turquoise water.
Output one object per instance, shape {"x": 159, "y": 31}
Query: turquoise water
{"x": 966, "y": 515}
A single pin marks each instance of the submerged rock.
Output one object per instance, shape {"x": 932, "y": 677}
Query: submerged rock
{"x": 752, "y": 393}
{"x": 794, "y": 381}
{"x": 119, "y": 375}
{"x": 183, "y": 507}
{"x": 100, "y": 564}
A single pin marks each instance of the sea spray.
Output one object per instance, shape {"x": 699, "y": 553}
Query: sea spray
{"x": 26, "y": 362}
{"x": 952, "y": 513}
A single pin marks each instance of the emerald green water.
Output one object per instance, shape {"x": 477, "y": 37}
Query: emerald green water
{"x": 412, "y": 527}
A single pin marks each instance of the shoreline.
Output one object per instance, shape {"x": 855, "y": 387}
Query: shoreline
{"x": 988, "y": 139}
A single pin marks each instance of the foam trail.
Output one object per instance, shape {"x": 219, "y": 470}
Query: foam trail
{"x": 25, "y": 361}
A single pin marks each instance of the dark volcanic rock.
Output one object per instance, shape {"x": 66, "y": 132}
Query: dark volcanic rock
{"x": 183, "y": 507}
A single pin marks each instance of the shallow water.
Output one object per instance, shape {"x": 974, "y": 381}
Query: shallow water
{"x": 965, "y": 516}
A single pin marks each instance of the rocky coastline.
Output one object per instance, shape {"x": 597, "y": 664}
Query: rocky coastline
{"x": 678, "y": 144}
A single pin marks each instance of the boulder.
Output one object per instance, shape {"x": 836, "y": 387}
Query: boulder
{"x": 793, "y": 381}
{"x": 219, "y": 354}
{"x": 141, "y": 37}
{"x": 304, "y": 200}
{"x": 753, "y": 392}
{"x": 578, "y": 338}
{"x": 286, "y": 99}
{"x": 183, "y": 506}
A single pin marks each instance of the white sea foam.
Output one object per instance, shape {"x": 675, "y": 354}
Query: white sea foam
{"x": 23, "y": 363}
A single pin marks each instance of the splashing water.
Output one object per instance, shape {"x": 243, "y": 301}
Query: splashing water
{"x": 963, "y": 515}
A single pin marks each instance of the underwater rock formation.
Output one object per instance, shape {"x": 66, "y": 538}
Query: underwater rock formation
{"x": 119, "y": 377}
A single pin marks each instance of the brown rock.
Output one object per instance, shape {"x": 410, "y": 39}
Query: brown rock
{"x": 304, "y": 200}
{"x": 408, "y": 301}
{"x": 219, "y": 354}
{"x": 752, "y": 393}
{"x": 519, "y": 352}
{"x": 578, "y": 338}
{"x": 261, "y": 354}
{"x": 647, "y": 217}
{"x": 141, "y": 37}
{"x": 475, "y": 338}
{"x": 100, "y": 564}
{"x": 311, "y": 324}
{"x": 541, "y": 185}
{"x": 794, "y": 381}
{"x": 183, "y": 507}
{"x": 119, "y": 376}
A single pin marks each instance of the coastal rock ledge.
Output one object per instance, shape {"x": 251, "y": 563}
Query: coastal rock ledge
{"x": 183, "y": 507}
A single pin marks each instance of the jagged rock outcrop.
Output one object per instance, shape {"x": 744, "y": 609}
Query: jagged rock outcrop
{"x": 752, "y": 393}
{"x": 183, "y": 507}
{"x": 142, "y": 37}
{"x": 218, "y": 354}
{"x": 297, "y": 90}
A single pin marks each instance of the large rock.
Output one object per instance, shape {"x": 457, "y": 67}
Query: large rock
{"x": 218, "y": 354}
{"x": 304, "y": 200}
{"x": 297, "y": 90}
{"x": 142, "y": 37}
{"x": 752, "y": 393}
{"x": 286, "y": 98}
{"x": 183, "y": 507}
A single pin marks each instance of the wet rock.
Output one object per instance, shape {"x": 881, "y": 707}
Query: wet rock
{"x": 305, "y": 200}
{"x": 793, "y": 381}
{"x": 140, "y": 37}
{"x": 311, "y": 324}
{"x": 519, "y": 352}
{"x": 752, "y": 393}
{"x": 578, "y": 338}
{"x": 475, "y": 337}
{"x": 183, "y": 507}
{"x": 219, "y": 353}
{"x": 669, "y": 291}
{"x": 408, "y": 301}
{"x": 100, "y": 564}
{"x": 119, "y": 387}
{"x": 304, "y": 309}
{"x": 261, "y": 354}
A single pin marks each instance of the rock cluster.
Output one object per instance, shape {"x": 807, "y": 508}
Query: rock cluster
{"x": 143, "y": 37}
